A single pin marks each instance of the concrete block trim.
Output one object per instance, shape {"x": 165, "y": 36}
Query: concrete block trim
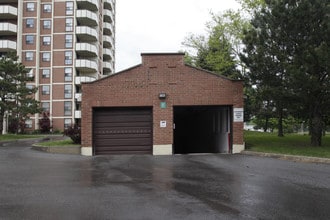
{"x": 87, "y": 151}
{"x": 238, "y": 148}
{"x": 165, "y": 149}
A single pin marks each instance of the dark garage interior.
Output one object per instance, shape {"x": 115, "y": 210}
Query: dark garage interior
{"x": 202, "y": 129}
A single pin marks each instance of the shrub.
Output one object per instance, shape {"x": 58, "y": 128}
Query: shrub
{"x": 44, "y": 123}
{"x": 74, "y": 133}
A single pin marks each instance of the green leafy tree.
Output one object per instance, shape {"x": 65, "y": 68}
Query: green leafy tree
{"x": 251, "y": 6}
{"x": 214, "y": 52}
{"x": 220, "y": 50}
{"x": 287, "y": 51}
{"x": 264, "y": 55}
{"x": 16, "y": 98}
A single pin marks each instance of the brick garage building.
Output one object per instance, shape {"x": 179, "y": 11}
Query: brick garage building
{"x": 162, "y": 106}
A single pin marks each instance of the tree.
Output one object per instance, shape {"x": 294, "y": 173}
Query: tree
{"x": 216, "y": 51}
{"x": 44, "y": 123}
{"x": 287, "y": 52}
{"x": 265, "y": 57}
{"x": 251, "y": 6}
{"x": 74, "y": 132}
{"x": 16, "y": 98}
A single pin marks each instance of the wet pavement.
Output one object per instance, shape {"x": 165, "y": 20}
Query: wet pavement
{"x": 37, "y": 185}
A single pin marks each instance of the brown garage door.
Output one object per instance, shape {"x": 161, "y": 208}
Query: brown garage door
{"x": 122, "y": 131}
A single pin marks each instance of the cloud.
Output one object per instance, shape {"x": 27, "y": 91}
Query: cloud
{"x": 159, "y": 26}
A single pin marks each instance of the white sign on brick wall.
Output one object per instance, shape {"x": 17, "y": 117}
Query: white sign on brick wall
{"x": 238, "y": 115}
{"x": 163, "y": 124}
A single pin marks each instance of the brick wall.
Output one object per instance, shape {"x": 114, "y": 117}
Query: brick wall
{"x": 141, "y": 85}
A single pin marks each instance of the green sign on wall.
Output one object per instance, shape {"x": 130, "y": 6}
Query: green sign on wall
{"x": 163, "y": 105}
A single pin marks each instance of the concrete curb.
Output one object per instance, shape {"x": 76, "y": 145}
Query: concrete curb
{"x": 289, "y": 157}
{"x": 58, "y": 150}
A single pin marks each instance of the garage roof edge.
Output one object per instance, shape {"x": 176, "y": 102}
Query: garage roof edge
{"x": 213, "y": 73}
{"x": 114, "y": 74}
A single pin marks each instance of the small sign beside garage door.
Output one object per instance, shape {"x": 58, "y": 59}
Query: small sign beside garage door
{"x": 238, "y": 115}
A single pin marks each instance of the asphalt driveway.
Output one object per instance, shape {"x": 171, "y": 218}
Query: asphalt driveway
{"x": 37, "y": 185}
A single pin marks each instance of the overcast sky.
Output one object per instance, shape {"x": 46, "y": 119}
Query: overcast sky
{"x": 159, "y": 25}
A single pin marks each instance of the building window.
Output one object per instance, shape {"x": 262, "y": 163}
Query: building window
{"x": 29, "y": 22}
{"x": 67, "y": 91}
{"x": 47, "y": 8}
{"x": 68, "y": 57}
{"x": 67, "y": 123}
{"x": 68, "y": 108}
{"x": 45, "y": 73}
{"x": 46, "y": 40}
{"x": 68, "y": 74}
{"x": 46, "y": 57}
{"x": 68, "y": 41}
{"x": 45, "y": 90}
{"x": 30, "y": 73}
{"x": 29, "y": 39}
{"x": 29, "y": 56}
{"x": 47, "y": 24}
{"x": 69, "y": 24}
{"x": 28, "y": 123}
{"x": 69, "y": 8}
{"x": 45, "y": 106}
{"x": 30, "y": 87}
{"x": 30, "y": 6}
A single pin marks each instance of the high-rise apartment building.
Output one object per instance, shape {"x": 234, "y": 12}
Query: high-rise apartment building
{"x": 63, "y": 43}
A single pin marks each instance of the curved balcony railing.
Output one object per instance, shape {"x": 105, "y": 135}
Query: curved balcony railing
{"x": 91, "y": 5}
{"x": 107, "y": 68}
{"x": 107, "y": 54}
{"x": 108, "y": 16}
{"x": 87, "y": 18}
{"x": 7, "y": 45}
{"x": 8, "y": 29}
{"x": 108, "y": 41}
{"x": 77, "y": 114}
{"x": 86, "y": 34}
{"x": 86, "y": 66}
{"x": 108, "y": 4}
{"x": 86, "y": 50}
{"x": 83, "y": 79}
{"x": 78, "y": 96}
{"x": 108, "y": 29}
{"x": 8, "y": 12}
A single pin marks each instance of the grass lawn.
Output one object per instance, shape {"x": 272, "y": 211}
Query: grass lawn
{"x": 293, "y": 144}
{"x": 9, "y": 137}
{"x": 61, "y": 143}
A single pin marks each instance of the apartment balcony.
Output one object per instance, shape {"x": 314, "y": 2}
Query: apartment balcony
{"x": 8, "y": 29}
{"x": 87, "y": 18}
{"x": 107, "y": 54}
{"x": 86, "y": 50}
{"x": 86, "y": 34}
{"x": 78, "y": 96}
{"x": 77, "y": 114}
{"x": 86, "y": 66}
{"x": 108, "y": 4}
{"x": 7, "y": 45}
{"x": 9, "y": 1}
{"x": 91, "y": 5}
{"x": 108, "y": 41}
{"x": 8, "y": 12}
{"x": 107, "y": 68}
{"x": 108, "y": 16}
{"x": 107, "y": 29}
{"x": 83, "y": 79}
